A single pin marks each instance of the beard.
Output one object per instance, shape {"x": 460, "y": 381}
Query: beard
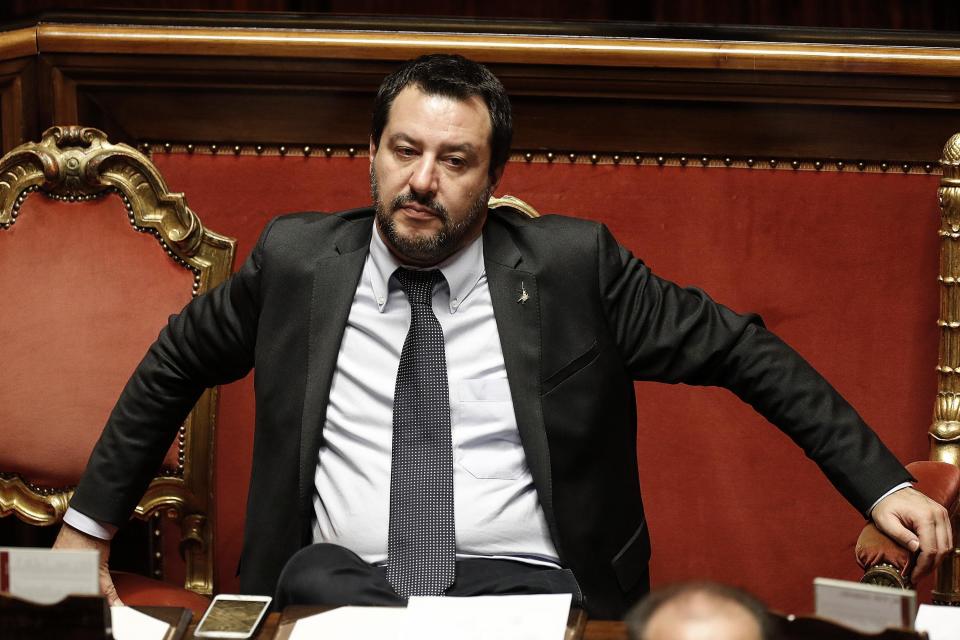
{"x": 430, "y": 248}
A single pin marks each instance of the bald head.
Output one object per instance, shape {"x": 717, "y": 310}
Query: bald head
{"x": 701, "y": 611}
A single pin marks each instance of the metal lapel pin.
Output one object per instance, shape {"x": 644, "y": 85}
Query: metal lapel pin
{"x": 523, "y": 294}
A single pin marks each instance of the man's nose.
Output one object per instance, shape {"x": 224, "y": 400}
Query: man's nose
{"x": 424, "y": 178}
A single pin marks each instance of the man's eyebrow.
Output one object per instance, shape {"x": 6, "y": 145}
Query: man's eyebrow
{"x": 464, "y": 147}
{"x": 397, "y": 137}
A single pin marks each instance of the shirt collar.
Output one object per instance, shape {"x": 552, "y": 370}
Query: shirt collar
{"x": 462, "y": 271}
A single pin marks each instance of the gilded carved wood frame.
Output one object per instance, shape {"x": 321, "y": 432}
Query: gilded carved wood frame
{"x": 945, "y": 429}
{"x": 75, "y": 163}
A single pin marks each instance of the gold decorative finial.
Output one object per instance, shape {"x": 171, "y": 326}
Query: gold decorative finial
{"x": 951, "y": 152}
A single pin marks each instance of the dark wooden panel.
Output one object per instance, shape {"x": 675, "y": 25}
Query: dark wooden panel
{"x": 229, "y": 100}
{"x": 283, "y": 86}
{"x": 18, "y": 86}
{"x": 877, "y": 14}
{"x": 18, "y": 102}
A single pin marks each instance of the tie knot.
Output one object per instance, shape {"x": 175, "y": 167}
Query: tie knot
{"x": 418, "y": 285}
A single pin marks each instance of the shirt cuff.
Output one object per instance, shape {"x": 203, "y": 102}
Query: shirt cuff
{"x": 902, "y": 485}
{"x": 89, "y": 526}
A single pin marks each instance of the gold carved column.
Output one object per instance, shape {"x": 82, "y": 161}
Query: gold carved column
{"x": 945, "y": 430}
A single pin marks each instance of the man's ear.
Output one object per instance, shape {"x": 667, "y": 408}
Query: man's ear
{"x": 373, "y": 150}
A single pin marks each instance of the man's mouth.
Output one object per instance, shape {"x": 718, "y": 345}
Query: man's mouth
{"x": 416, "y": 210}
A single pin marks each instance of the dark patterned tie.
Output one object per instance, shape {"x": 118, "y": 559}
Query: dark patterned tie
{"x": 421, "y": 544}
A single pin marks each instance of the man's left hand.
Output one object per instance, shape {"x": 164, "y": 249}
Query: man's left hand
{"x": 918, "y": 523}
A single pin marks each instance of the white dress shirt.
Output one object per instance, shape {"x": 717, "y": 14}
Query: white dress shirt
{"x": 496, "y": 509}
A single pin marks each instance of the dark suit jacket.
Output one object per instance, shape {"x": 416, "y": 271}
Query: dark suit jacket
{"x": 595, "y": 320}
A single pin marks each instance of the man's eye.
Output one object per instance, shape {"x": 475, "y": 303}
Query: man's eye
{"x": 457, "y": 162}
{"x": 405, "y": 152}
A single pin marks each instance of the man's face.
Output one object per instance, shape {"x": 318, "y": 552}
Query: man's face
{"x": 430, "y": 175}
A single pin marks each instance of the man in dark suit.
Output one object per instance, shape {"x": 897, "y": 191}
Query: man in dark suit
{"x": 543, "y": 325}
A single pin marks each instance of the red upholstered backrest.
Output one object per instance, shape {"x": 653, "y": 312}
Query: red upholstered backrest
{"x": 843, "y": 265}
{"x": 939, "y": 480}
{"x": 81, "y": 294}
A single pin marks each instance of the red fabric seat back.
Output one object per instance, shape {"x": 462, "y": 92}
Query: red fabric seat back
{"x": 83, "y": 293}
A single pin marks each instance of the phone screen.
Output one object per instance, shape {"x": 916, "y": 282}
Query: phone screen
{"x": 232, "y": 616}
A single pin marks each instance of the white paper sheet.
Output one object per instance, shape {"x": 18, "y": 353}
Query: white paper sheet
{"x": 941, "y": 623}
{"x": 46, "y": 576}
{"x": 130, "y": 624}
{"x": 535, "y": 617}
{"x": 352, "y": 623}
{"x": 864, "y": 607}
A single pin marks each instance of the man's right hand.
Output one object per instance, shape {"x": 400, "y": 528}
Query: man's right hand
{"x": 70, "y": 538}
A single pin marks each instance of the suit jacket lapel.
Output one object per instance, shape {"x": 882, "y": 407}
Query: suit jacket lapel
{"x": 335, "y": 279}
{"x": 516, "y": 307}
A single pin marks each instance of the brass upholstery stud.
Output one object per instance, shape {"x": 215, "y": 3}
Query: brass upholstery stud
{"x": 528, "y": 156}
{"x": 928, "y": 167}
{"x": 328, "y": 151}
{"x": 352, "y": 152}
{"x": 258, "y": 149}
{"x": 750, "y": 162}
{"x": 307, "y": 150}
{"x": 638, "y": 159}
{"x": 728, "y": 161}
{"x": 594, "y": 158}
{"x": 795, "y": 164}
{"x": 213, "y": 148}
{"x": 704, "y": 160}
{"x": 817, "y": 165}
{"x": 840, "y": 165}
{"x": 661, "y": 160}
{"x": 861, "y": 165}
{"x": 905, "y": 167}
{"x": 236, "y": 149}
{"x": 167, "y": 147}
{"x": 772, "y": 162}
{"x": 683, "y": 161}
{"x": 549, "y": 156}
{"x": 616, "y": 159}
{"x": 189, "y": 148}
{"x": 282, "y": 150}
{"x": 884, "y": 166}
{"x": 573, "y": 157}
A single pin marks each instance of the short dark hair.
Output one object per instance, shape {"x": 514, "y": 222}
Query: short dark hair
{"x": 452, "y": 76}
{"x": 639, "y": 617}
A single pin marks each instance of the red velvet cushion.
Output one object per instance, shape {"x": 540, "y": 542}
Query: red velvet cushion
{"x": 83, "y": 295}
{"x": 938, "y": 480}
{"x": 141, "y": 591}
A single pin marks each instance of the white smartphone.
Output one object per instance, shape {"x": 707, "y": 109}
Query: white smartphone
{"x": 232, "y": 616}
